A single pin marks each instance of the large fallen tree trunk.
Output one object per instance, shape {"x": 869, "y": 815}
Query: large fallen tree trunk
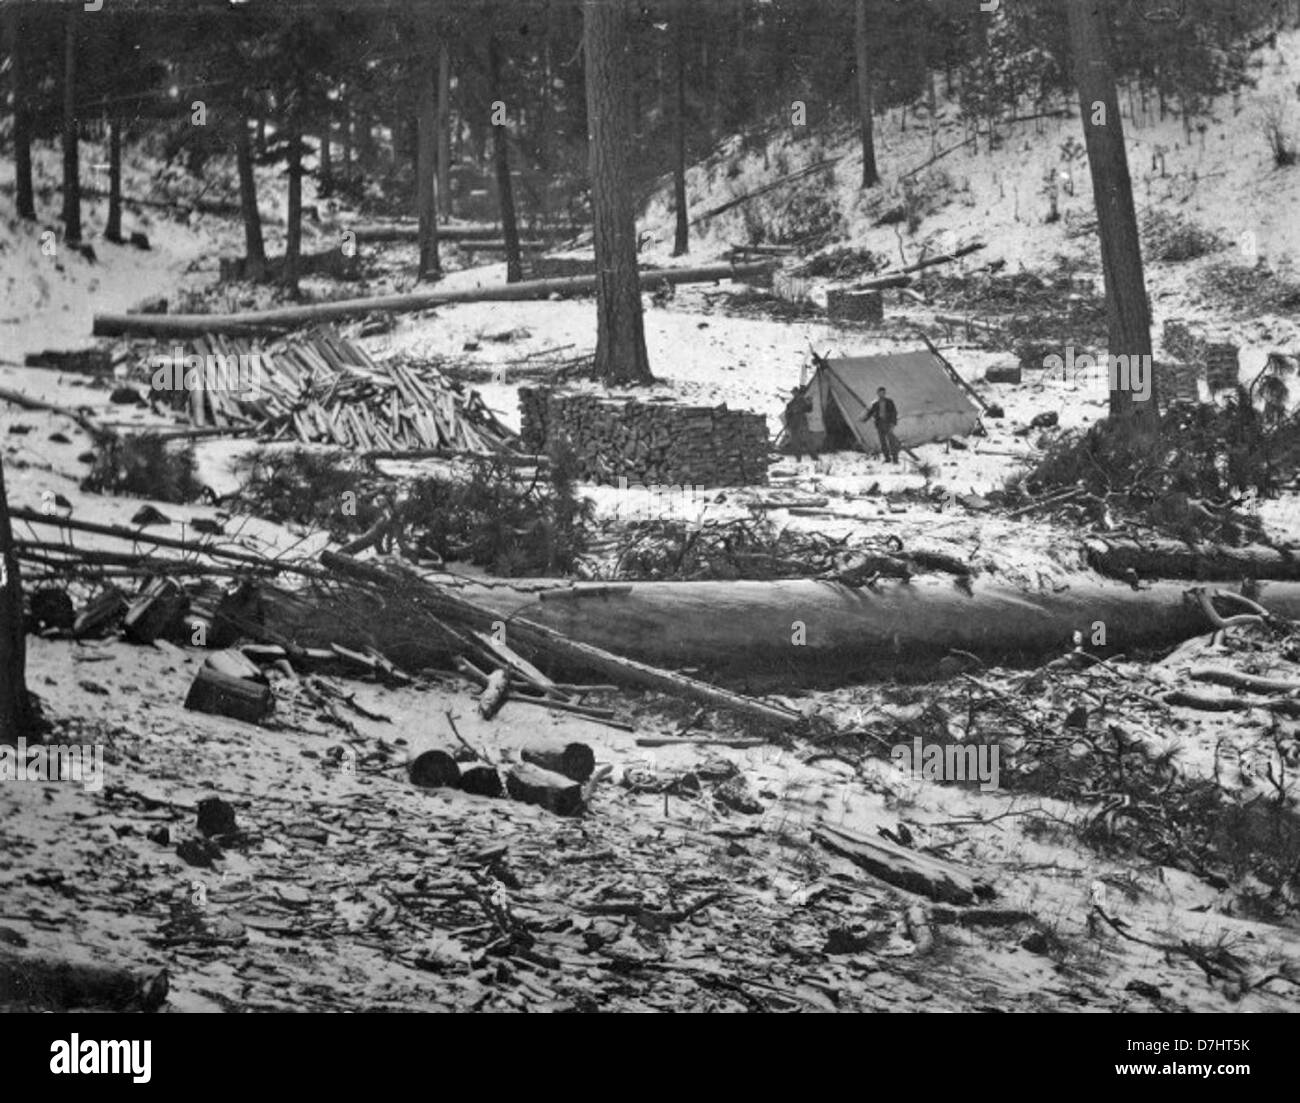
{"x": 527, "y": 635}
{"x": 286, "y": 318}
{"x": 800, "y": 632}
{"x": 1161, "y": 558}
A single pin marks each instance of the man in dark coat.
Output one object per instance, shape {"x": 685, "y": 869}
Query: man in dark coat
{"x": 885, "y": 414}
{"x": 796, "y": 422}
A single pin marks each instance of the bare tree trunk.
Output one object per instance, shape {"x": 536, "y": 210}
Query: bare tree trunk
{"x": 501, "y": 156}
{"x": 16, "y": 714}
{"x": 22, "y": 114}
{"x": 71, "y": 153}
{"x": 1121, "y": 253}
{"x": 620, "y": 333}
{"x": 870, "y": 176}
{"x": 430, "y": 268}
{"x": 325, "y": 166}
{"x": 444, "y": 129}
{"x": 254, "y": 250}
{"x": 293, "y": 235}
{"x": 681, "y": 236}
{"x": 114, "y": 231}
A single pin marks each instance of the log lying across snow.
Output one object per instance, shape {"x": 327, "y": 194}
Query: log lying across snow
{"x": 435, "y": 603}
{"x": 1162, "y": 558}
{"x": 795, "y": 633}
{"x": 286, "y": 318}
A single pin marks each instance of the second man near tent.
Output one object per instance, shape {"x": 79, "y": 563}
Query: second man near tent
{"x": 885, "y": 414}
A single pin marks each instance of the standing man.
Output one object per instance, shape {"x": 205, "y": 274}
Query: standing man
{"x": 796, "y": 422}
{"x": 885, "y": 414}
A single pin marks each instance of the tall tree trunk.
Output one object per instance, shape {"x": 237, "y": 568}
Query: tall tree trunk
{"x": 261, "y": 137}
{"x": 16, "y": 713}
{"x": 426, "y": 191}
{"x": 501, "y": 157}
{"x": 22, "y": 112}
{"x": 71, "y": 153}
{"x": 114, "y": 231}
{"x": 345, "y": 127}
{"x": 325, "y": 166}
{"x": 870, "y": 176}
{"x": 254, "y": 249}
{"x": 1121, "y": 253}
{"x": 681, "y": 243}
{"x": 293, "y": 235}
{"x": 444, "y": 129}
{"x": 620, "y": 332}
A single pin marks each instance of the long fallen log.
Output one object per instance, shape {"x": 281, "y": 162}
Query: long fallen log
{"x": 795, "y": 632}
{"x": 286, "y": 318}
{"x": 542, "y": 640}
{"x": 904, "y": 869}
{"x": 1162, "y": 558}
{"x": 477, "y": 232}
{"x": 900, "y": 277}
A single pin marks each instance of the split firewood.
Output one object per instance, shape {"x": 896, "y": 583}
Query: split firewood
{"x": 494, "y": 694}
{"x": 156, "y": 612}
{"x": 102, "y": 611}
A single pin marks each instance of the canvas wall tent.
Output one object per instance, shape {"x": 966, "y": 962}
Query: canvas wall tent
{"x": 931, "y": 406}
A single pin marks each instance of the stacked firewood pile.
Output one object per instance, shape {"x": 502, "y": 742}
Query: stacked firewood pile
{"x": 321, "y": 388}
{"x": 1220, "y": 364}
{"x": 664, "y": 443}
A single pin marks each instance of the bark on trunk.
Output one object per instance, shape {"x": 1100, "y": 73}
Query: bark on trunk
{"x": 870, "y": 176}
{"x": 325, "y": 165}
{"x": 15, "y": 705}
{"x": 1121, "y": 252}
{"x": 430, "y": 267}
{"x": 681, "y": 237}
{"x": 501, "y": 158}
{"x": 114, "y": 231}
{"x": 254, "y": 249}
{"x": 22, "y": 113}
{"x": 742, "y": 632}
{"x": 293, "y": 235}
{"x": 444, "y": 130}
{"x": 71, "y": 153}
{"x": 620, "y": 336}
{"x": 1158, "y": 558}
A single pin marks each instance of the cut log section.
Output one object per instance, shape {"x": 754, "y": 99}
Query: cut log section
{"x": 434, "y": 770}
{"x": 223, "y": 695}
{"x": 576, "y": 760}
{"x": 554, "y": 792}
{"x": 904, "y": 869}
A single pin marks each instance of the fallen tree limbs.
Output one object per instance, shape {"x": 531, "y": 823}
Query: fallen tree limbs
{"x": 141, "y": 536}
{"x": 443, "y": 604}
{"x": 286, "y": 318}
